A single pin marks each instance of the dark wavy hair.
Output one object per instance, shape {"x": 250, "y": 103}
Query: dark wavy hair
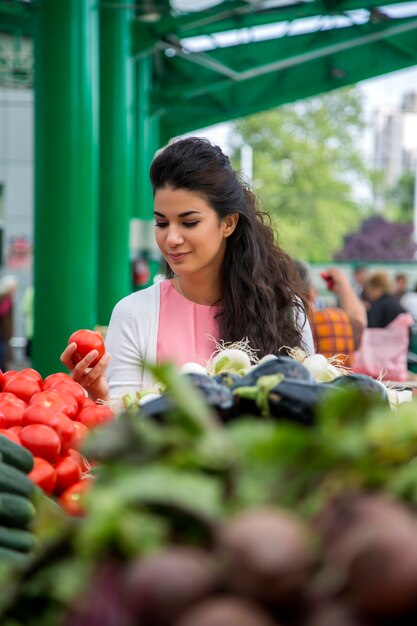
{"x": 261, "y": 291}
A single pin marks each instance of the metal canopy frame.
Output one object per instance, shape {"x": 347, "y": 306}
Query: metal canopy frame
{"x": 193, "y": 88}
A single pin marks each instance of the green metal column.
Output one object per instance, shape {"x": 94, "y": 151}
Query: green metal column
{"x": 144, "y": 252}
{"x": 144, "y": 148}
{"x": 115, "y": 160}
{"x": 65, "y": 275}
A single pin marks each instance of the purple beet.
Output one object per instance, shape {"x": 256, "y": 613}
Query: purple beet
{"x": 226, "y": 611}
{"x": 161, "y": 586}
{"x": 267, "y": 555}
{"x": 371, "y": 545}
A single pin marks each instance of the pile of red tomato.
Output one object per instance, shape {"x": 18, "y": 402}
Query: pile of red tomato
{"x": 51, "y": 417}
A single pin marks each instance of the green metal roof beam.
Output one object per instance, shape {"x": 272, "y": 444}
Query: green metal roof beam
{"x": 245, "y": 61}
{"x": 266, "y": 91}
{"x": 237, "y": 15}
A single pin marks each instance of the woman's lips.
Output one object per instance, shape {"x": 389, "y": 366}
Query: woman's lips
{"x": 176, "y": 258}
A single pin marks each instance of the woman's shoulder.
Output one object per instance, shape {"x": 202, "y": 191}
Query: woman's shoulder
{"x": 138, "y": 299}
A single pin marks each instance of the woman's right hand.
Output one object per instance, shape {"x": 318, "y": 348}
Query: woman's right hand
{"x": 93, "y": 379}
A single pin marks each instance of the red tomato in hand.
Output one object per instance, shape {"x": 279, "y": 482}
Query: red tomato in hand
{"x": 86, "y": 341}
{"x": 43, "y": 475}
{"x": 42, "y": 441}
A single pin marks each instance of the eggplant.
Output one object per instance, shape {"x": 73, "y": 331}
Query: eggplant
{"x": 296, "y": 400}
{"x": 366, "y": 384}
{"x": 218, "y": 396}
{"x": 157, "y": 408}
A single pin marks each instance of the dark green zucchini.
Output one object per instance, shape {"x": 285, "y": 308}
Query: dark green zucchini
{"x": 16, "y": 455}
{"x": 15, "y": 511}
{"x": 13, "y": 556}
{"x": 13, "y": 480}
{"x": 16, "y": 539}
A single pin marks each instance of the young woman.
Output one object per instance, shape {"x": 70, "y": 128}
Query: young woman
{"x": 226, "y": 278}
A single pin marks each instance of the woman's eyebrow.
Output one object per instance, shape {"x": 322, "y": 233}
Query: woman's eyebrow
{"x": 185, "y": 214}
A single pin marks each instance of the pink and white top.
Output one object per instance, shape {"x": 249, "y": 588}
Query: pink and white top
{"x": 186, "y": 331}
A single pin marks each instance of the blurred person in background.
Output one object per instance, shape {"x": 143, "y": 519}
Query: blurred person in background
{"x": 383, "y": 352}
{"x": 385, "y": 306}
{"x": 27, "y": 312}
{"x": 400, "y": 285}
{"x": 8, "y": 286}
{"x": 360, "y": 276}
{"x": 407, "y": 298}
{"x": 337, "y": 330}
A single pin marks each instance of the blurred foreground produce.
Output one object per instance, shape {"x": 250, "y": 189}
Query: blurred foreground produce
{"x": 234, "y": 502}
{"x": 17, "y": 510}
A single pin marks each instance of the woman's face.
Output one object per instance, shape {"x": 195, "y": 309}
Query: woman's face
{"x": 188, "y": 231}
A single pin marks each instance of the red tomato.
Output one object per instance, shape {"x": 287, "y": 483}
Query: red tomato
{"x": 12, "y": 411}
{"x": 43, "y": 475}
{"x": 2, "y": 421}
{"x": 31, "y": 373}
{"x": 81, "y": 432}
{"x": 10, "y": 435}
{"x": 10, "y": 398}
{"x": 66, "y": 431}
{"x": 73, "y": 388}
{"x": 68, "y": 472}
{"x": 6, "y": 375}
{"x": 54, "y": 378}
{"x": 42, "y": 441}
{"x": 16, "y": 430}
{"x": 80, "y": 459}
{"x": 22, "y": 386}
{"x": 60, "y": 401}
{"x": 86, "y": 341}
{"x": 72, "y": 499}
{"x": 40, "y": 414}
{"x": 88, "y": 402}
{"x": 96, "y": 415}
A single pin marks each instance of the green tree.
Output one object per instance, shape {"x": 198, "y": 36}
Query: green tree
{"x": 307, "y": 163}
{"x": 401, "y": 198}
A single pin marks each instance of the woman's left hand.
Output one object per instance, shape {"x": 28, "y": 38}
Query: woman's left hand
{"x": 93, "y": 379}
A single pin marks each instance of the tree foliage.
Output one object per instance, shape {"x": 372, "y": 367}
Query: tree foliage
{"x": 379, "y": 240}
{"x": 401, "y": 197}
{"x": 306, "y": 163}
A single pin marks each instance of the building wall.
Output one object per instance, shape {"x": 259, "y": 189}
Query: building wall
{"x": 16, "y": 181}
{"x": 395, "y": 146}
